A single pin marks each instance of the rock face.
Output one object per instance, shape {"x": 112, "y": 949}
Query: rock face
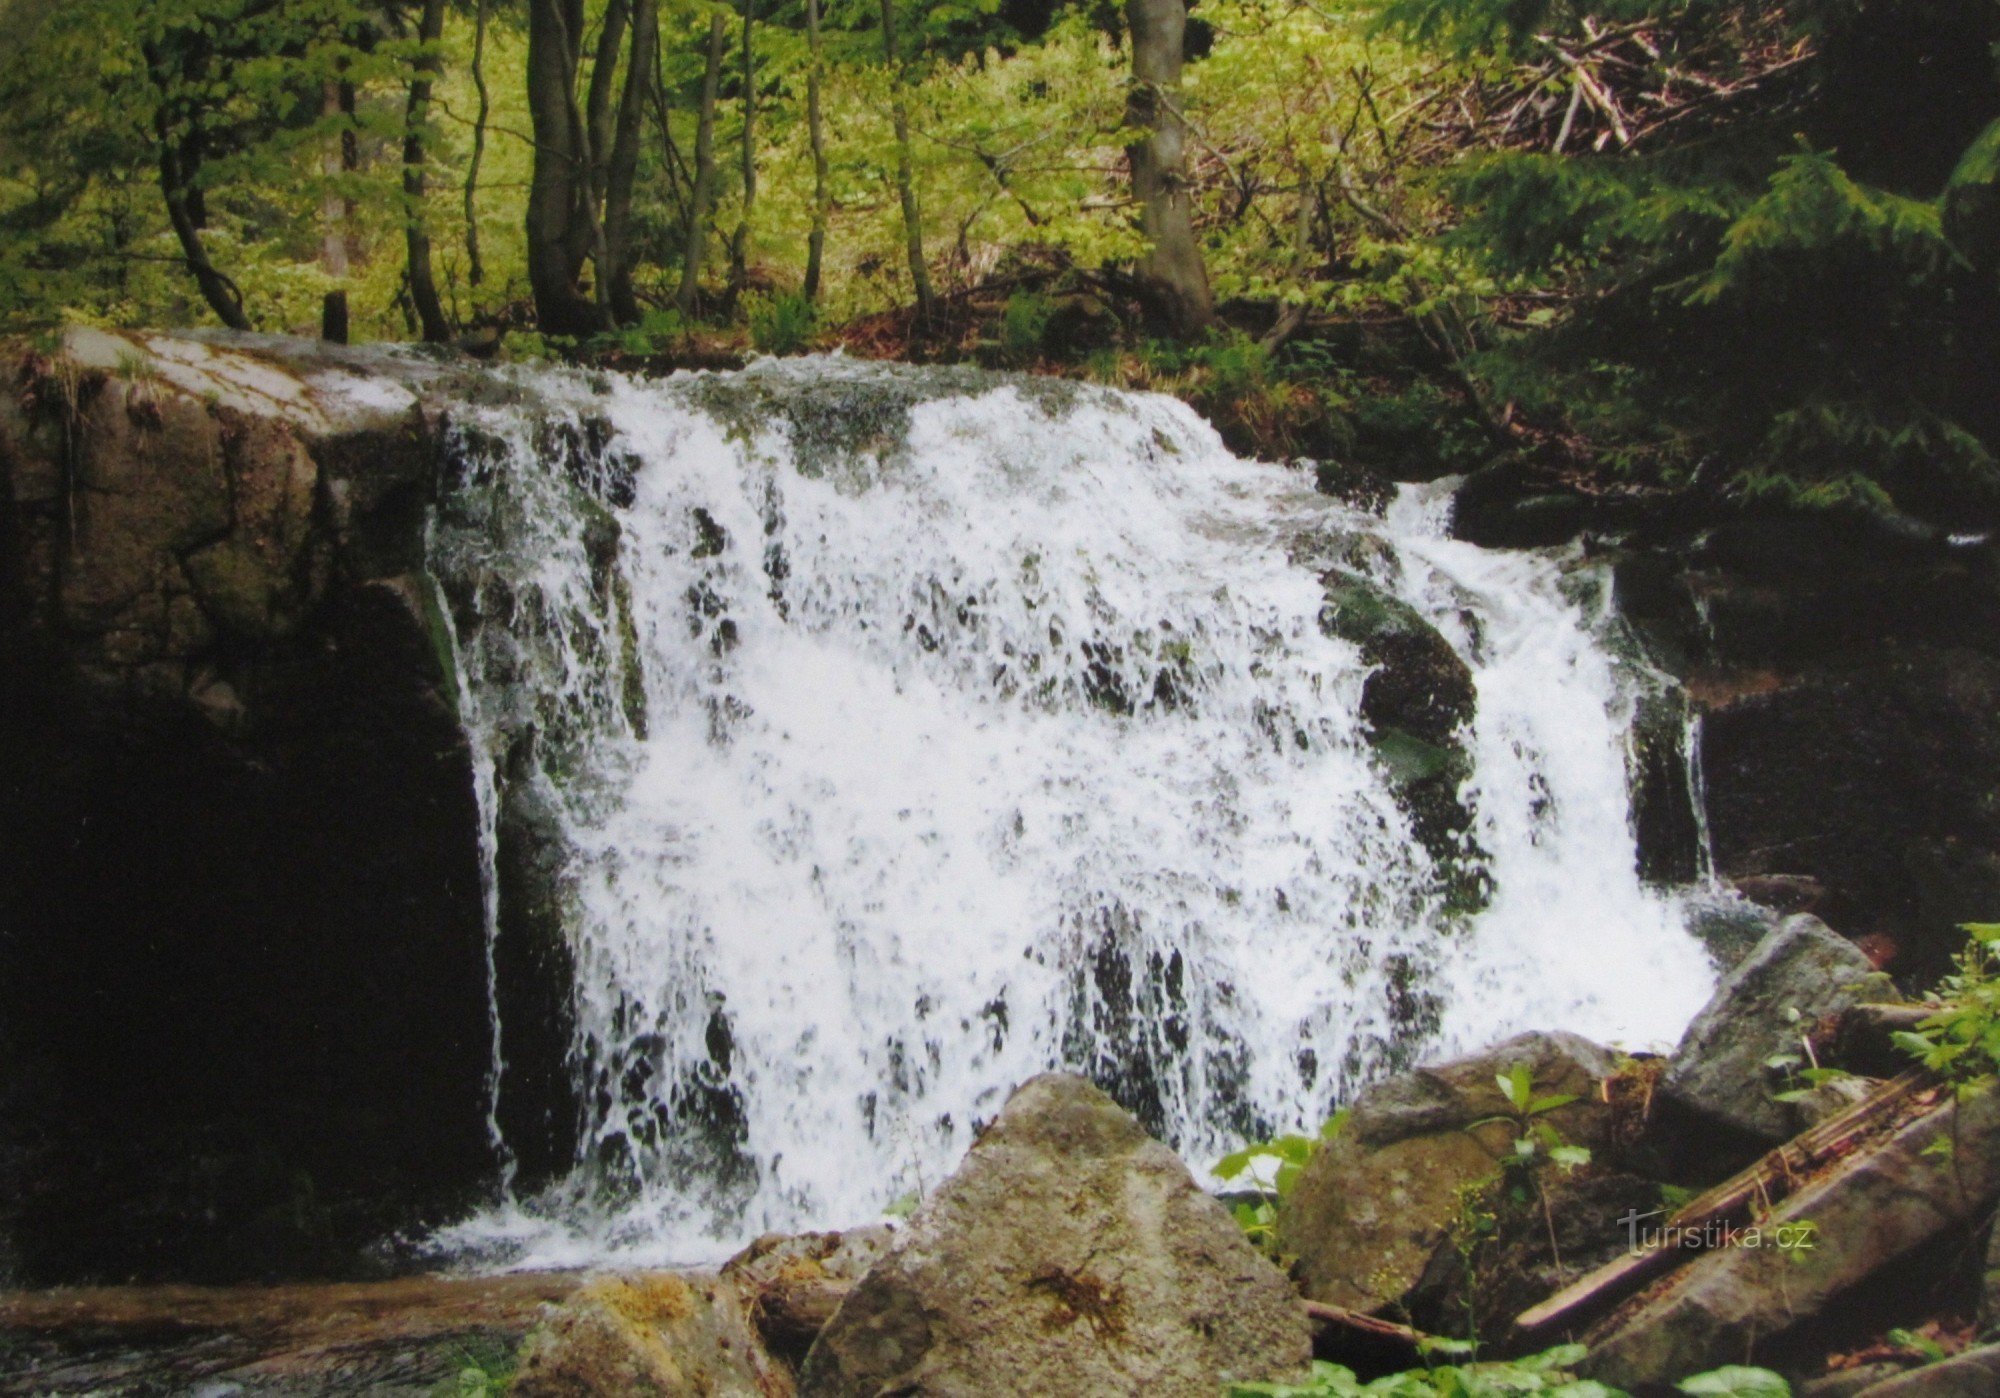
{"x": 239, "y": 869}
{"x": 1376, "y": 1206}
{"x": 1801, "y": 973}
{"x": 1974, "y": 1374}
{"x": 1417, "y": 699}
{"x": 1848, "y": 668}
{"x": 1864, "y": 1213}
{"x": 650, "y": 1336}
{"x": 1071, "y": 1254}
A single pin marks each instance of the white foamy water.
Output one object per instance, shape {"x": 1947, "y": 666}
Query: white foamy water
{"x": 905, "y": 734}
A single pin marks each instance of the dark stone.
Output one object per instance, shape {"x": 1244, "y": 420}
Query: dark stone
{"x": 1069, "y": 1253}
{"x": 1373, "y": 1219}
{"x": 1800, "y": 974}
{"x": 1973, "y": 1374}
{"x": 1416, "y": 700}
{"x": 243, "y": 1010}
{"x": 1878, "y": 786}
{"x": 1353, "y": 484}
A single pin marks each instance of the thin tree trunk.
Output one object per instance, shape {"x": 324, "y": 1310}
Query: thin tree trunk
{"x": 623, "y": 171}
{"x": 739, "y": 245}
{"x": 416, "y": 226}
{"x": 1172, "y": 272}
{"x": 333, "y": 255}
{"x": 906, "y": 183}
{"x": 816, "y": 134}
{"x": 475, "y": 265}
{"x": 179, "y": 158}
{"x": 696, "y": 248}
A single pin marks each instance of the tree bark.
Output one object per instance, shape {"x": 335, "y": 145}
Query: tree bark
{"x": 739, "y": 243}
{"x": 623, "y": 171}
{"x": 816, "y": 135}
{"x": 333, "y": 213}
{"x": 555, "y": 263}
{"x": 416, "y": 226}
{"x": 906, "y": 183}
{"x": 586, "y": 160}
{"x": 475, "y": 265}
{"x": 695, "y": 249}
{"x": 1171, "y": 274}
{"x": 179, "y": 161}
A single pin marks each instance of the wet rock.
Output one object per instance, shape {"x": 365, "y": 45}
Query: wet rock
{"x": 1070, "y": 1254}
{"x": 1973, "y": 1374}
{"x": 1353, "y": 484}
{"x": 1417, "y": 700}
{"x": 651, "y": 1336}
{"x": 1849, "y": 1382}
{"x": 216, "y": 655}
{"x": 794, "y": 1284}
{"x": 1875, "y": 785}
{"x": 1375, "y": 1210}
{"x": 1934, "y": 1173}
{"x": 1421, "y": 686}
{"x": 1801, "y": 973}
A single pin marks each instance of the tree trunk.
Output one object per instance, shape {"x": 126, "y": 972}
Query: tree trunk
{"x": 623, "y": 171}
{"x": 416, "y": 226}
{"x": 906, "y": 182}
{"x": 739, "y": 244}
{"x": 1171, "y": 273}
{"x": 333, "y": 210}
{"x": 179, "y": 161}
{"x": 816, "y": 134}
{"x": 696, "y": 249}
{"x": 559, "y": 186}
{"x": 475, "y": 266}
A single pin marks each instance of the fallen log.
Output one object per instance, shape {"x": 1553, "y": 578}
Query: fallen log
{"x": 1762, "y": 1184}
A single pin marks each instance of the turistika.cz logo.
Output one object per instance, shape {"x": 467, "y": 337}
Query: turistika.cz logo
{"x": 1797, "y": 1236}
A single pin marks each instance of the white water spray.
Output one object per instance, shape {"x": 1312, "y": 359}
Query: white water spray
{"x": 906, "y": 733}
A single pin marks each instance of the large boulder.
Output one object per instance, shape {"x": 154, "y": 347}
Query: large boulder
{"x": 1377, "y": 1206}
{"x": 653, "y": 1335}
{"x": 1417, "y": 699}
{"x": 1934, "y": 1172}
{"x": 1071, "y": 1254}
{"x": 1973, "y": 1374}
{"x": 1801, "y": 974}
{"x": 239, "y": 843}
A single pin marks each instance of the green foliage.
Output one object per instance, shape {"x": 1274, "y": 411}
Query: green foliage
{"x": 484, "y": 1370}
{"x": 1271, "y": 1169}
{"x": 1534, "y": 1140}
{"x": 781, "y": 324}
{"x": 1024, "y": 324}
{"x": 1737, "y": 1381}
{"x": 1961, "y": 1042}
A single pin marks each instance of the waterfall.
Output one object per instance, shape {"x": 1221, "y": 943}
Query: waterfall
{"x": 895, "y": 734}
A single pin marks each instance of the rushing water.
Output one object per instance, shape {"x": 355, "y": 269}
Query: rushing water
{"x": 900, "y": 734}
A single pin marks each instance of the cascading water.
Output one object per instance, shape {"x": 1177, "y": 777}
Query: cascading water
{"x": 898, "y": 734}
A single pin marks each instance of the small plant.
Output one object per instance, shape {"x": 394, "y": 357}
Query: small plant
{"x": 1534, "y": 1139}
{"x": 1801, "y": 1074}
{"x": 783, "y": 324}
{"x": 484, "y": 1370}
{"x": 1024, "y": 323}
{"x": 1961, "y": 1041}
{"x": 1271, "y": 1169}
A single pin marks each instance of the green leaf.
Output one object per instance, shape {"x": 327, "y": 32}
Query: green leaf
{"x": 1737, "y": 1381}
{"x": 1550, "y": 1103}
{"x": 1570, "y": 1157}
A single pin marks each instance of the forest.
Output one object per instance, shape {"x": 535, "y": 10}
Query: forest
{"x": 1667, "y": 244}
